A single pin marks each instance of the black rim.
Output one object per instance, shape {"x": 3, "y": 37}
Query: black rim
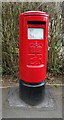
{"x": 32, "y": 84}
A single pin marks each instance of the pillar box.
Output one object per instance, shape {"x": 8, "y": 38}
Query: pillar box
{"x": 33, "y": 44}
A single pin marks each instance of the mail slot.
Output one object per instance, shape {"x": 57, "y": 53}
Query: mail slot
{"x": 33, "y": 44}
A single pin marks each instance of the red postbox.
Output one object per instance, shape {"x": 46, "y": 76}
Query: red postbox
{"x": 33, "y": 44}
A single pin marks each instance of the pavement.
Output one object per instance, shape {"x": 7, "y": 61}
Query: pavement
{"x": 13, "y": 108}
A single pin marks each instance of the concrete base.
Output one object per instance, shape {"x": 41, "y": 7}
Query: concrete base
{"x": 14, "y": 107}
{"x": 32, "y": 99}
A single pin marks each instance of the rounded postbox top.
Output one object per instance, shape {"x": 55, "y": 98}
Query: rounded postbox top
{"x": 34, "y": 13}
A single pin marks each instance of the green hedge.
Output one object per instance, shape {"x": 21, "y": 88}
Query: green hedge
{"x": 10, "y": 34}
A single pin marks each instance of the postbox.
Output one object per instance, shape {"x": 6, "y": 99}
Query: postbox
{"x": 33, "y": 44}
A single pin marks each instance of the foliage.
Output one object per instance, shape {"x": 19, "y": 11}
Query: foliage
{"x": 10, "y": 31}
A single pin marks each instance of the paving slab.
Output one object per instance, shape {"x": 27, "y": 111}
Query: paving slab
{"x": 15, "y": 107}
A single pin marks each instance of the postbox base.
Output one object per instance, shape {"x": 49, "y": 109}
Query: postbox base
{"x": 32, "y": 93}
{"x": 32, "y": 84}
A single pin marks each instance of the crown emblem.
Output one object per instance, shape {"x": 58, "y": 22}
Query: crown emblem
{"x": 35, "y": 48}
